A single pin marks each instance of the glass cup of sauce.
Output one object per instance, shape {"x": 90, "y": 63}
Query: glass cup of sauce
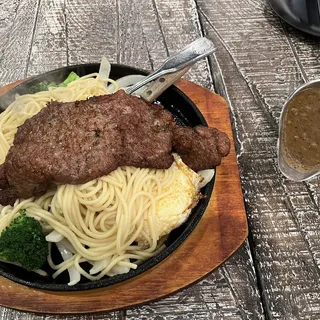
{"x": 299, "y": 133}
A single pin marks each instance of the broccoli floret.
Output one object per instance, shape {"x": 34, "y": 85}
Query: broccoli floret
{"x": 41, "y": 86}
{"x": 24, "y": 243}
{"x": 71, "y": 77}
{"x": 45, "y": 85}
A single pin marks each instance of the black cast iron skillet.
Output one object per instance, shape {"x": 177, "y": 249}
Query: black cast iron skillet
{"x": 301, "y": 14}
{"x": 185, "y": 113}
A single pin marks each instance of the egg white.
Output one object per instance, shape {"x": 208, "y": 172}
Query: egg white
{"x": 184, "y": 194}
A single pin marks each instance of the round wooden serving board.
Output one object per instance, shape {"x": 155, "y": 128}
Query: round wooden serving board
{"x": 221, "y": 231}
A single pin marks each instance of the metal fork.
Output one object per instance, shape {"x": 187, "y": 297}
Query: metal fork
{"x": 176, "y": 65}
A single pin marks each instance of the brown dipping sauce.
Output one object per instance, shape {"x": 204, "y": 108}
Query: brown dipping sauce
{"x": 301, "y": 130}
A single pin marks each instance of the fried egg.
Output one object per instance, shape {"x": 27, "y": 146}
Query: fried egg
{"x": 184, "y": 194}
{"x": 181, "y": 196}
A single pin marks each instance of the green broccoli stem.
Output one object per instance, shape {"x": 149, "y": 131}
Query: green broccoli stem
{"x": 45, "y": 85}
{"x": 23, "y": 242}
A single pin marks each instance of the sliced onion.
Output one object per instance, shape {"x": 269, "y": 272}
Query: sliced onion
{"x": 120, "y": 268}
{"x": 206, "y": 175}
{"x": 66, "y": 243}
{"x": 65, "y": 253}
{"x": 126, "y": 81}
{"x": 54, "y": 236}
{"x": 74, "y": 274}
{"x": 98, "y": 266}
{"x": 105, "y": 68}
{"x": 40, "y": 272}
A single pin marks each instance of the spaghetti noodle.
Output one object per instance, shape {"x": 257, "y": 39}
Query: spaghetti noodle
{"x": 110, "y": 222}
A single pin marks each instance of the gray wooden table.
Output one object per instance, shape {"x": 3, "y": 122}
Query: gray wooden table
{"x": 259, "y": 61}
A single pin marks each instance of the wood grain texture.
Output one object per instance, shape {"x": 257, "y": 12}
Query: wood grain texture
{"x": 224, "y": 294}
{"x": 18, "y": 315}
{"x": 48, "y": 49}
{"x": 92, "y": 30}
{"x": 260, "y": 66}
{"x": 307, "y": 51}
{"x": 179, "y": 24}
{"x": 254, "y": 73}
{"x": 19, "y": 23}
{"x": 7, "y": 14}
{"x": 220, "y": 232}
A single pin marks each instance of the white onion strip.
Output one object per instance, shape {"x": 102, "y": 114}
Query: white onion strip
{"x": 126, "y": 81}
{"x": 105, "y": 68}
{"x": 54, "y": 236}
{"x": 74, "y": 274}
{"x": 207, "y": 176}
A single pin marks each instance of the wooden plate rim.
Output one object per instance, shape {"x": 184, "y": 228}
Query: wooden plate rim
{"x": 23, "y": 298}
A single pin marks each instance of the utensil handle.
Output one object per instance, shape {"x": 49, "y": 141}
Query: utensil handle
{"x": 161, "y": 84}
{"x": 152, "y": 76}
{"x": 189, "y": 55}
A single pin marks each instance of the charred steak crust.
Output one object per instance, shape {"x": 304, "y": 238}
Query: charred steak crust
{"x": 201, "y": 147}
{"x": 76, "y": 142}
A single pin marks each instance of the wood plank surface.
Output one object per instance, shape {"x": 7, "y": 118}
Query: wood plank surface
{"x": 259, "y": 61}
{"x": 18, "y": 20}
{"x": 261, "y": 65}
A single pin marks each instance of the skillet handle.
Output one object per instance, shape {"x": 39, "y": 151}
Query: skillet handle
{"x": 161, "y": 84}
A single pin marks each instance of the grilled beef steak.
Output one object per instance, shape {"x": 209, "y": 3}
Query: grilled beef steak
{"x": 200, "y": 147}
{"x": 76, "y": 142}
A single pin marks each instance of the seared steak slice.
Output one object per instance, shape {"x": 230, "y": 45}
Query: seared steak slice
{"x": 201, "y": 147}
{"x": 76, "y": 142}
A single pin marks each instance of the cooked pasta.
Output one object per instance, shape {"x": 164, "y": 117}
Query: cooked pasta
{"x": 104, "y": 219}
{"x": 110, "y": 222}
